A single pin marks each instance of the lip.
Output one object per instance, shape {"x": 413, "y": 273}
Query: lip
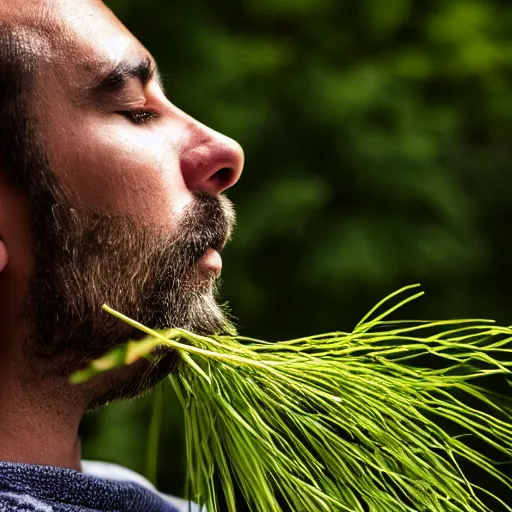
{"x": 211, "y": 261}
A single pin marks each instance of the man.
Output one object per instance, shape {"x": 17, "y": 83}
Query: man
{"x": 108, "y": 194}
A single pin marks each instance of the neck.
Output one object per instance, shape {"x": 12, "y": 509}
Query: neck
{"x": 39, "y": 423}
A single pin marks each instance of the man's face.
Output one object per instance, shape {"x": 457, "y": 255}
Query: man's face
{"x": 125, "y": 207}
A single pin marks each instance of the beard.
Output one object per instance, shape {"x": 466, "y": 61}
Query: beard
{"x": 84, "y": 259}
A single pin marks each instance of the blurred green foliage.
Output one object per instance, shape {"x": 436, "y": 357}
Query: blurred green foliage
{"x": 378, "y": 146}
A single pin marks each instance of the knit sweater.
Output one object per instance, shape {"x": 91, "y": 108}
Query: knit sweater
{"x": 99, "y": 487}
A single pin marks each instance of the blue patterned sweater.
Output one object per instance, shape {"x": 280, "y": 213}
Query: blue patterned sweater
{"x": 99, "y": 488}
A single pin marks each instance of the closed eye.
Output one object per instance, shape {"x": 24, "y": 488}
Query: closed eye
{"x": 138, "y": 117}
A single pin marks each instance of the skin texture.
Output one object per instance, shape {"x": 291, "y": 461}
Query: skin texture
{"x": 149, "y": 189}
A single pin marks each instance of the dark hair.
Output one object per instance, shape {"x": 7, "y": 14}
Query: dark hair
{"x": 17, "y": 66}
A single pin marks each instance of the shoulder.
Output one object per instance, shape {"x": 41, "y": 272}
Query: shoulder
{"x": 109, "y": 471}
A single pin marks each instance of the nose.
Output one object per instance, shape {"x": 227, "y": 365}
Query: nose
{"x": 211, "y": 162}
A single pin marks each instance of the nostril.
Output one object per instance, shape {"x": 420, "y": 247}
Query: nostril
{"x": 223, "y": 177}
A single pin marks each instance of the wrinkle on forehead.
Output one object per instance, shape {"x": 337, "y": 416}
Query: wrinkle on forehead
{"x": 75, "y": 35}
{"x": 26, "y": 13}
{"x": 38, "y": 11}
{"x": 28, "y": 25}
{"x": 60, "y": 20}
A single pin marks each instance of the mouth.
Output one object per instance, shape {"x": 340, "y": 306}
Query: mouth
{"x": 211, "y": 262}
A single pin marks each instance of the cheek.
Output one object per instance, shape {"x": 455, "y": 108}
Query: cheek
{"x": 121, "y": 168}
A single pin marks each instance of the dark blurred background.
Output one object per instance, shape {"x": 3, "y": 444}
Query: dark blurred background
{"x": 378, "y": 144}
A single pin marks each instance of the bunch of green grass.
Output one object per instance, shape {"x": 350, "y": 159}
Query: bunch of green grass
{"x": 341, "y": 421}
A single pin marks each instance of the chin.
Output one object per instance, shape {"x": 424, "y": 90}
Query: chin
{"x": 139, "y": 378}
{"x": 129, "y": 382}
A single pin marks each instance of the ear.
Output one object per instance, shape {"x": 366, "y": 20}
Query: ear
{"x": 3, "y": 256}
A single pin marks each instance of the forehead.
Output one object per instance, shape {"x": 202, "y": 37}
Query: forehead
{"x": 79, "y": 36}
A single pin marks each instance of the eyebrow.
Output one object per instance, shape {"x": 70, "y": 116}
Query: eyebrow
{"x": 117, "y": 78}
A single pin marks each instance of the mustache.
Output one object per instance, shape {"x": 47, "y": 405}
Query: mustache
{"x": 208, "y": 223}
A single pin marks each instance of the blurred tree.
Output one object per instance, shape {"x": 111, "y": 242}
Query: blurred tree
{"x": 377, "y": 137}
